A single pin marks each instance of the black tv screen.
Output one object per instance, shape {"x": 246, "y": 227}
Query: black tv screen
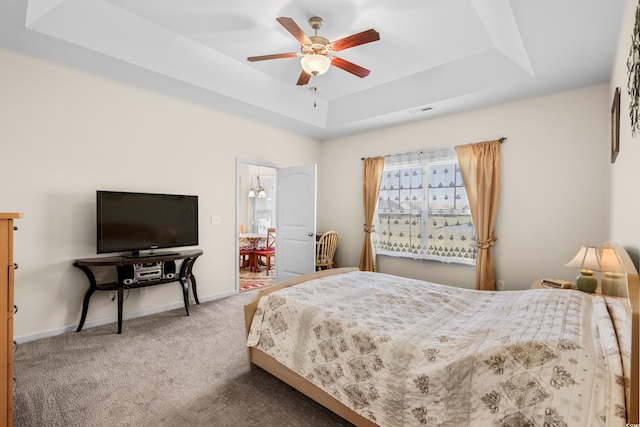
{"x": 144, "y": 221}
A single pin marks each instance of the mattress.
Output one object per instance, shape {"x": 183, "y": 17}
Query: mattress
{"x": 404, "y": 352}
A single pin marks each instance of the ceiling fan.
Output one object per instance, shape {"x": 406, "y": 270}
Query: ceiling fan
{"x": 316, "y": 50}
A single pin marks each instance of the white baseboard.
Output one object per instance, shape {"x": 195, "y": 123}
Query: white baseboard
{"x": 114, "y": 319}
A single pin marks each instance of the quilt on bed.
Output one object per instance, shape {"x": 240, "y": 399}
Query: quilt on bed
{"x": 404, "y": 352}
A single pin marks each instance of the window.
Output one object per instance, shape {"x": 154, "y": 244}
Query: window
{"x": 262, "y": 210}
{"x": 423, "y": 211}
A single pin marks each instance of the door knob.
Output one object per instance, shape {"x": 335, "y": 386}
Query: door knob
{"x": 310, "y": 234}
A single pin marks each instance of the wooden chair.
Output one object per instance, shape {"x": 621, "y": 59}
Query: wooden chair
{"x": 268, "y": 252}
{"x": 326, "y": 250}
{"x": 246, "y": 254}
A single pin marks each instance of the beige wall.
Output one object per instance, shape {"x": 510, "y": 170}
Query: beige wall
{"x": 554, "y": 183}
{"x": 66, "y": 134}
{"x": 625, "y": 172}
{"x": 69, "y": 133}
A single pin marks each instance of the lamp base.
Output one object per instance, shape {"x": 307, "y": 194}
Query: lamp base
{"x": 614, "y": 284}
{"x": 586, "y": 282}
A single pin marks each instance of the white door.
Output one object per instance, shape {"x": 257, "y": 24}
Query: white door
{"x": 296, "y": 218}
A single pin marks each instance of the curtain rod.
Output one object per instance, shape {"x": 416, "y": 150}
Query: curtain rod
{"x": 501, "y": 139}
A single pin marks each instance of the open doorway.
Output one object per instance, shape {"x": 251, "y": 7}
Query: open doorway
{"x": 292, "y": 211}
{"x": 256, "y": 214}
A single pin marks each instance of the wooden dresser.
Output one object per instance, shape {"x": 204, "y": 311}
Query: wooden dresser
{"x": 6, "y": 321}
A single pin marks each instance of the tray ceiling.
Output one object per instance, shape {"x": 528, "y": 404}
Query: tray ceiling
{"x": 434, "y": 57}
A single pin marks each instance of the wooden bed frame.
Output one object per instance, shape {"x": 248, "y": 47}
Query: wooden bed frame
{"x": 269, "y": 364}
{"x": 633, "y": 294}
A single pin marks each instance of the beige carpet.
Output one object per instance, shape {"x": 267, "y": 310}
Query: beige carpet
{"x": 165, "y": 369}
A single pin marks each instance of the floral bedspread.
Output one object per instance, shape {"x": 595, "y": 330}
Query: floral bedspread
{"x": 405, "y": 352}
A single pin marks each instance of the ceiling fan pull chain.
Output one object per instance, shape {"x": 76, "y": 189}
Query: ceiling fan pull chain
{"x": 315, "y": 95}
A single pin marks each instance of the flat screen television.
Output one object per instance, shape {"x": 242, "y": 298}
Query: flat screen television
{"x": 134, "y": 222}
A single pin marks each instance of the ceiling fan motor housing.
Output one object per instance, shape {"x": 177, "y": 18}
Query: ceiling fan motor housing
{"x": 319, "y": 46}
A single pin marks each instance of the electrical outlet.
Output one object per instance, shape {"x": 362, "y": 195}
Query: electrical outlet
{"x": 500, "y": 285}
{"x": 215, "y": 219}
{"x": 113, "y": 295}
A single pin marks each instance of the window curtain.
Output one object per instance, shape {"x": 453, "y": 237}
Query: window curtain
{"x": 371, "y": 177}
{"x": 480, "y": 169}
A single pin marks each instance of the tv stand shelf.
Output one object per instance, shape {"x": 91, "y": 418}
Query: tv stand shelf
{"x": 140, "y": 272}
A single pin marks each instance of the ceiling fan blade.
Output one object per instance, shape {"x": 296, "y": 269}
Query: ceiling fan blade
{"x": 304, "y": 78}
{"x": 367, "y": 36}
{"x": 274, "y": 56}
{"x": 290, "y": 25}
{"x": 350, "y": 67}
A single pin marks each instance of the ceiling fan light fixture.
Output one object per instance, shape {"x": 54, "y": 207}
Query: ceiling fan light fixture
{"x": 315, "y": 64}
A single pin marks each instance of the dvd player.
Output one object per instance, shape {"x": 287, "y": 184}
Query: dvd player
{"x": 147, "y": 271}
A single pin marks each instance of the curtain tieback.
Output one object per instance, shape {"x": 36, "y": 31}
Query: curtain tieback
{"x": 486, "y": 244}
{"x": 369, "y": 228}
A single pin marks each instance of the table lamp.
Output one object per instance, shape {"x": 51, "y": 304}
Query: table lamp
{"x": 588, "y": 260}
{"x": 613, "y": 278}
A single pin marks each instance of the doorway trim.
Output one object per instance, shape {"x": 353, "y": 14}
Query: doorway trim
{"x": 239, "y": 163}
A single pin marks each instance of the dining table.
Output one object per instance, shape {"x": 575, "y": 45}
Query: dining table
{"x": 252, "y": 241}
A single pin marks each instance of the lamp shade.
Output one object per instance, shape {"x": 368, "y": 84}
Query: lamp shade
{"x": 613, "y": 277}
{"x": 315, "y": 64}
{"x": 587, "y": 258}
{"x": 610, "y": 261}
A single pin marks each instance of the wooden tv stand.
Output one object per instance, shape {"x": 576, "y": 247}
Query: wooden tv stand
{"x": 127, "y": 278}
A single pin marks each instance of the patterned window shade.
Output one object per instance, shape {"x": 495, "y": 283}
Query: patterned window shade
{"x": 423, "y": 211}
{"x": 262, "y": 211}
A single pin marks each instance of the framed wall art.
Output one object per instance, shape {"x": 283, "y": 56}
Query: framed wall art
{"x": 615, "y": 125}
{"x": 633, "y": 71}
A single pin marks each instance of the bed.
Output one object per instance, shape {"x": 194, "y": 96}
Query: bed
{"x": 381, "y": 350}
